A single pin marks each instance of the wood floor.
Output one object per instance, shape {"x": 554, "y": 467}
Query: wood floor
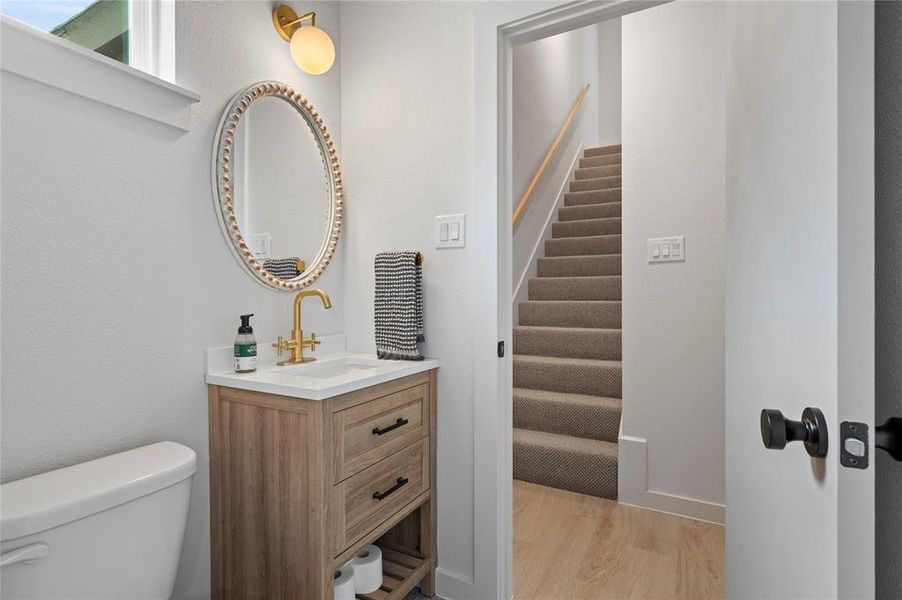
{"x": 571, "y": 546}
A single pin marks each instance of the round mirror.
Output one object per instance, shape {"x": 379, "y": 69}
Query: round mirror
{"x": 278, "y": 186}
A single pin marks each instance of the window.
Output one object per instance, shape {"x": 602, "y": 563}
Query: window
{"x": 138, "y": 33}
{"x": 120, "y": 53}
{"x": 100, "y": 25}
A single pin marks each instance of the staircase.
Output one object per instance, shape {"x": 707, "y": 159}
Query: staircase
{"x": 567, "y": 347}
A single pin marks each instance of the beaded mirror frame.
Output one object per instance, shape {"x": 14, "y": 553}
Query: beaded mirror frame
{"x": 223, "y": 190}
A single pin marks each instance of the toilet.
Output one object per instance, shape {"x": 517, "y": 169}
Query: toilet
{"x": 107, "y": 528}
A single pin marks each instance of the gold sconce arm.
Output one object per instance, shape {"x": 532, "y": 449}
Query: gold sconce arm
{"x": 286, "y": 21}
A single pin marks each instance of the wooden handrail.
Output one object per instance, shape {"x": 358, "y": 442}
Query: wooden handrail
{"x": 524, "y": 199}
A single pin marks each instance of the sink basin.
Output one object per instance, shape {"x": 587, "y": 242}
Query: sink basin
{"x": 329, "y": 375}
{"x": 344, "y": 366}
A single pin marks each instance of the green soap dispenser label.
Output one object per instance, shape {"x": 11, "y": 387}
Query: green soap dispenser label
{"x": 245, "y": 350}
{"x": 245, "y": 357}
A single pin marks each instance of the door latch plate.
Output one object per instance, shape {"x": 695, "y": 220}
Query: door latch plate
{"x": 853, "y": 445}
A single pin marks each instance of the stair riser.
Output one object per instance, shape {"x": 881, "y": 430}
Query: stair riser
{"x": 583, "y": 246}
{"x": 589, "y": 211}
{"x": 568, "y": 343}
{"x": 601, "y": 183}
{"x": 595, "y": 475}
{"x": 579, "y": 266}
{"x": 570, "y": 314}
{"x": 573, "y": 378}
{"x": 596, "y": 172}
{"x": 599, "y": 422}
{"x": 590, "y": 152}
{"x": 592, "y": 197}
{"x": 599, "y": 161}
{"x": 585, "y": 228}
{"x": 575, "y": 288}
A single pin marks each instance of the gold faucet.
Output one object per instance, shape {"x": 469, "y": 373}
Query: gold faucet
{"x": 296, "y": 343}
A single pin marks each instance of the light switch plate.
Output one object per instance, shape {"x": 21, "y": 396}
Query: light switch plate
{"x": 450, "y": 231}
{"x": 260, "y": 246}
{"x": 669, "y": 249}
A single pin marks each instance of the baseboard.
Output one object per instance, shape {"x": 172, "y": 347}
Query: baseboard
{"x": 632, "y": 484}
{"x": 453, "y": 586}
{"x": 521, "y": 291}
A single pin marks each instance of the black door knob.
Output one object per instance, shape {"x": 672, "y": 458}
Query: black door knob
{"x": 889, "y": 437}
{"x": 776, "y": 431}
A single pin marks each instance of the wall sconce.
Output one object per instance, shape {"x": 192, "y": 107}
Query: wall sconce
{"x": 311, "y": 47}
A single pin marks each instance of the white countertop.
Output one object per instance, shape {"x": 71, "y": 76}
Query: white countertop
{"x": 334, "y": 372}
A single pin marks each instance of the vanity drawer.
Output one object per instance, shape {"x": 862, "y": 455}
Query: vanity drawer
{"x": 360, "y": 503}
{"x": 367, "y": 433}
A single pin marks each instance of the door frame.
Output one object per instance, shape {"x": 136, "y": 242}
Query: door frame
{"x": 498, "y": 29}
{"x": 492, "y": 238}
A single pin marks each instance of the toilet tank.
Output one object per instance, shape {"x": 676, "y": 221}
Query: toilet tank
{"x": 108, "y": 528}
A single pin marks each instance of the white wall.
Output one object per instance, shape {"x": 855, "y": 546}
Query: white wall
{"x": 407, "y": 118}
{"x": 548, "y": 77}
{"x": 609, "y": 81}
{"x": 115, "y": 273}
{"x": 673, "y": 330}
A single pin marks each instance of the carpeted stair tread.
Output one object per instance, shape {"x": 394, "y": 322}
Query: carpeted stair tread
{"x": 596, "y": 172}
{"x": 580, "y": 465}
{"x": 592, "y": 197}
{"x": 602, "y": 150}
{"x": 574, "y": 375}
{"x": 578, "y": 415}
{"x": 581, "y": 246}
{"x": 599, "y": 287}
{"x": 586, "y": 227}
{"x": 597, "y": 183}
{"x": 575, "y": 342}
{"x": 599, "y": 161}
{"x": 589, "y": 211}
{"x": 579, "y": 266}
{"x": 570, "y": 313}
{"x": 567, "y": 349}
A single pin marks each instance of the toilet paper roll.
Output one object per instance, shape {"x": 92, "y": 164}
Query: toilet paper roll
{"x": 367, "y": 565}
{"x": 343, "y": 584}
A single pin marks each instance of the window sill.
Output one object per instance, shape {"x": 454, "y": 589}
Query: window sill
{"x": 44, "y": 58}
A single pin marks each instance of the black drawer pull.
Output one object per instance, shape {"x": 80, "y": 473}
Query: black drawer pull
{"x": 399, "y": 423}
{"x": 402, "y": 481}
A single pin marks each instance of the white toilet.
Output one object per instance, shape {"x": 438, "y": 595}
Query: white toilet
{"x": 108, "y": 528}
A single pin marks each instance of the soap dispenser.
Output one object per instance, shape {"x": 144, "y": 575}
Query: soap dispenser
{"x": 245, "y": 347}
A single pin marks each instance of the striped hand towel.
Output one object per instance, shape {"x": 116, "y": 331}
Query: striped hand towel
{"x": 283, "y": 268}
{"x": 399, "y": 306}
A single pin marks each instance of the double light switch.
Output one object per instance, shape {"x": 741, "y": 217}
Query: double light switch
{"x": 450, "y": 231}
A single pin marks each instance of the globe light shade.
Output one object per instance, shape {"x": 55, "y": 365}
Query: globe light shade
{"x": 312, "y": 49}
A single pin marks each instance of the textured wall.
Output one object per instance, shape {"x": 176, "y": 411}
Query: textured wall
{"x": 115, "y": 273}
{"x": 548, "y": 77}
{"x": 609, "y": 81}
{"x": 673, "y": 184}
{"x": 407, "y": 90}
{"x": 888, "y": 131}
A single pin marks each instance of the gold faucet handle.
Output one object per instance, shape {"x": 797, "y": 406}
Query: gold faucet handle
{"x": 314, "y": 342}
{"x": 280, "y": 343}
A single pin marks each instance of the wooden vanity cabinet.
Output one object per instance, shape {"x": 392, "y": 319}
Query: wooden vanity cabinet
{"x": 298, "y": 487}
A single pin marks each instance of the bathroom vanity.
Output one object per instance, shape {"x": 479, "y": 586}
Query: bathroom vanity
{"x": 310, "y": 463}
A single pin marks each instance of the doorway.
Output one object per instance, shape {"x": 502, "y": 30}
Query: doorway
{"x": 653, "y": 480}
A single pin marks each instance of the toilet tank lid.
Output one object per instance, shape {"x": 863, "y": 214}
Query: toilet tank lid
{"x": 51, "y": 499}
